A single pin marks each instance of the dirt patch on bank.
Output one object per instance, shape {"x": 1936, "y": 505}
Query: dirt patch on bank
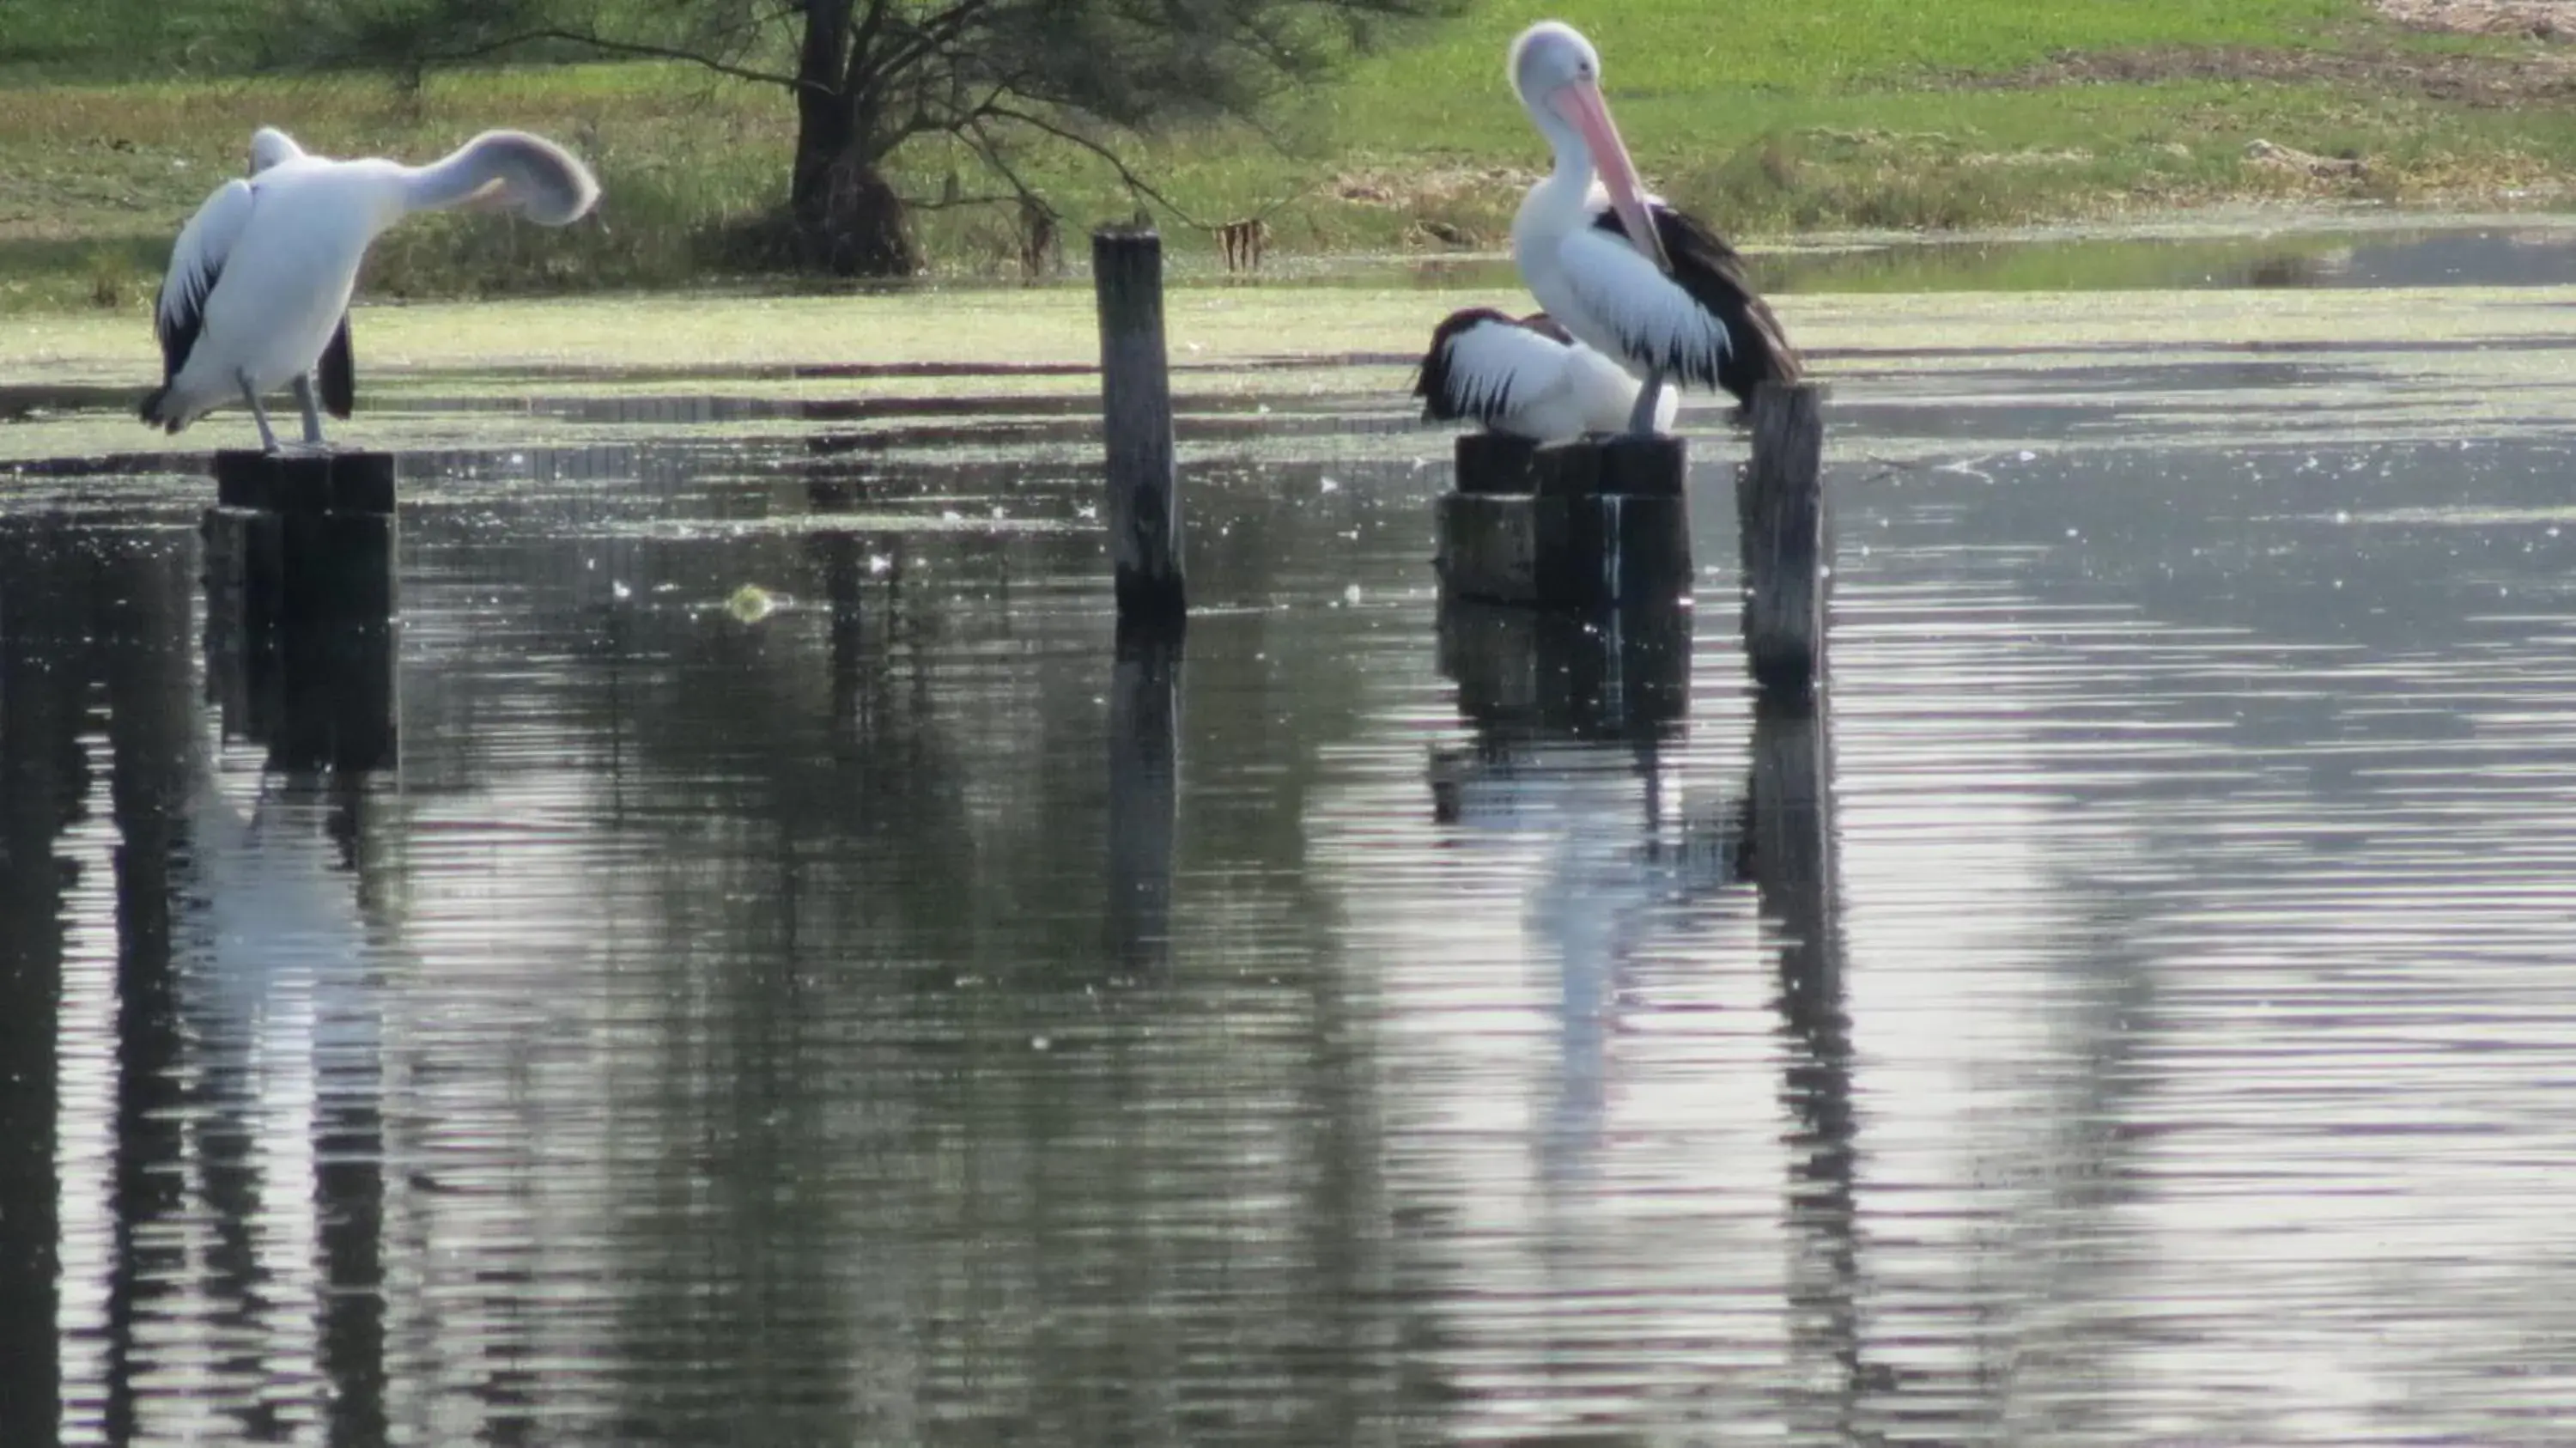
{"x": 2536, "y": 19}
{"x": 2547, "y": 78}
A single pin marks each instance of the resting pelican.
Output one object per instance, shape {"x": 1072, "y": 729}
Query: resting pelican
{"x": 259, "y": 283}
{"x": 1527, "y": 377}
{"x": 1655, "y": 290}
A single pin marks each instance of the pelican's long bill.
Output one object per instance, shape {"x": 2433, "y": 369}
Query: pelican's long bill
{"x": 1580, "y": 102}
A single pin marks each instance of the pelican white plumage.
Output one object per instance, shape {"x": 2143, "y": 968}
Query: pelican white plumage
{"x": 257, "y": 296}
{"x": 1627, "y": 275}
{"x": 1526, "y": 376}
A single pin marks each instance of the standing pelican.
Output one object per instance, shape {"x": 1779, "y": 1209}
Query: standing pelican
{"x": 1627, "y": 275}
{"x": 337, "y": 372}
{"x": 1527, "y": 377}
{"x": 259, "y": 283}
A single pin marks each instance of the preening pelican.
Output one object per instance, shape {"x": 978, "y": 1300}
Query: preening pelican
{"x": 258, "y": 291}
{"x": 1629, "y": 276}
{"x": 1527, "y": 377}
{"x": 337, "y": 372}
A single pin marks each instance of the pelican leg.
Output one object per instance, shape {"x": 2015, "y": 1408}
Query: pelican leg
{"x": 312, "y": 414}
{"x": 1641, "y": 422}
{"x": 258, "y": 414}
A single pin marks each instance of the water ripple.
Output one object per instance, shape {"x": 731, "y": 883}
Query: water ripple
{"x": 2132, "y": 1010}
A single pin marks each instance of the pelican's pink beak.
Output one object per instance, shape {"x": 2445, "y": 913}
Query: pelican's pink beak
{"x": 1580, "y": 102}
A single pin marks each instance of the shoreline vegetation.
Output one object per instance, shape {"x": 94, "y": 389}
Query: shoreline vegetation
{"x": 1879, "y": 116}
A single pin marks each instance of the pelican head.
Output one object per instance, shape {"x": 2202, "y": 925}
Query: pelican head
{"x": 1557, "y": 75}
{"x": 1548, "y": 57}
{"x": 530, "y": 175}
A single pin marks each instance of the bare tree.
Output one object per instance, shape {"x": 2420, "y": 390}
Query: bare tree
{"x": 872, "y": 76}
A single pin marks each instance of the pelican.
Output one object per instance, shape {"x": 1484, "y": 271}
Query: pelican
{"x": 1653, "y": 289}
{"x": 1525, "y": 376}
{"x": 258, "y": 291}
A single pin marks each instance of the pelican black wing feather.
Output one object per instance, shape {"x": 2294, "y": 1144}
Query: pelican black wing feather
{"x": 1713, "y": 274}
{"x": 196, "y": 265}
{"x": 339, "y": 371}
{"x": 182, "y": 316}
{"x": 1442, "y": 399}
{"x": 178, "y": 321}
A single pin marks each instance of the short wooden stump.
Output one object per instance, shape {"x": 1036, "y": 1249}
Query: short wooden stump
{"x": 1600, "y": 520}
{"x": 304, "y": 537}
{"x": 305, "y": 534}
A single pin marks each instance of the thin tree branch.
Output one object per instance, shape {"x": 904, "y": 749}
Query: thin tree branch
{"x": 925, "y": 41}
{"x": 991, "y": 152}
{"x": 621, "y": 47}
{"x": 1126, "y": 174}
{"x": 863, "y": 37}
{"x": 944, "y": 204}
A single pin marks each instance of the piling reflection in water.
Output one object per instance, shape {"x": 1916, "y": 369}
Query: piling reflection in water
{"x": 1144, "y": 769}
{"x": 317, "y": 694}
{"x": 193, "y": 1102}
{"x": 45, "y": 785}
{"x": 1789, "y": 849}
{"x": 1556, "y": 701}
{"x": 96, "y": 693}
{"x": 1613, "y": 673}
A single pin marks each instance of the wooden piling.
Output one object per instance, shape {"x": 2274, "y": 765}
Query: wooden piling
{"x": 308, "y": 480}
{"x": 1591, "y": 522}
{"x": 1783, "y": 526}
{"x": 313, "y": 533}
{"x": 1136, "y": 415}
{"x": 1495, "y": 462}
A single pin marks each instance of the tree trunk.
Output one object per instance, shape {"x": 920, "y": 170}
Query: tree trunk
{"x": 848, "y": 220}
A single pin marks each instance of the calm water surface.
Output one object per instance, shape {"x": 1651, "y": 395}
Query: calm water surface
{"x": 2361, "y": 248}
{"x": 907, "y": 1014}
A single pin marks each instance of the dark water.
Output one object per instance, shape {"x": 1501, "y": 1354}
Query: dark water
{"x": 906, "y": 1017}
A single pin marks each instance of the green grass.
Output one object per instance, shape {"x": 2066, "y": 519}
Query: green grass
{"x": 1713, "y": 58}
{"x": 1772, "y": 119}
{"x": 94, "y": 39}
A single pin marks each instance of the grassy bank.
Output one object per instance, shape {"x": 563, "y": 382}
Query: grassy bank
{"x": 1775, "y": 120}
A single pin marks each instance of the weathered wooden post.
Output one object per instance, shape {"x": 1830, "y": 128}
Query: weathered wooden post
{"x": 313, "y": 533}
{"x": 1495, "y": 462}
{"x": 1783, "y": 528}
{"x": 1136, "y": 415}
{"x": 1599, "y": 520}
